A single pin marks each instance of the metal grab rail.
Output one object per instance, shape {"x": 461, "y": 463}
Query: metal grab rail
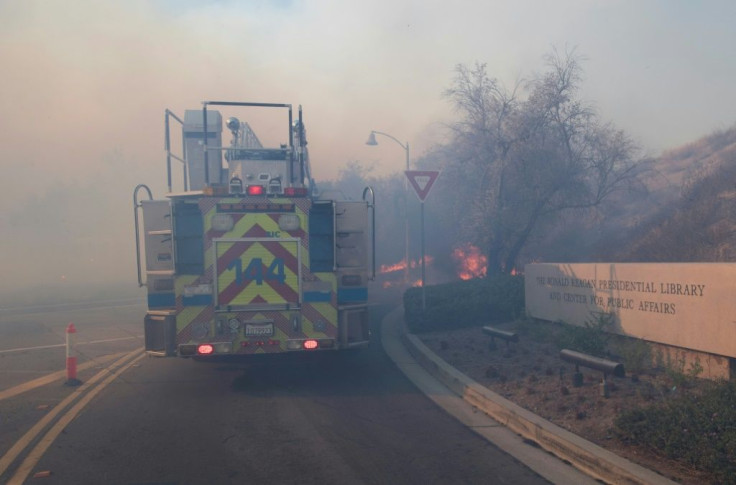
{"x": 597, "y": 363}
{"x": 136, "y": 206}
{"x": 502, "y": 334}
{"x": 372, "y": 207}
{"x": 169, "y": 155}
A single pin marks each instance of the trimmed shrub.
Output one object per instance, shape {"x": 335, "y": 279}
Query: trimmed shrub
{"x": 465, "y": 303}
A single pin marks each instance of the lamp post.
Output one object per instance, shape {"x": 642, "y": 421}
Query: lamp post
{"x": 372, "y": 142}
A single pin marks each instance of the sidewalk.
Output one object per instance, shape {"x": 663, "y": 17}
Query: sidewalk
{"x": 588, "y": 457}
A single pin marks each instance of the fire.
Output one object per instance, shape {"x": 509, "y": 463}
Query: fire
{"x": 391, "y": 284}
{"x": 402, "y": 265}
{"x": 390, "y": 268}
{"x": 470, "y": 261}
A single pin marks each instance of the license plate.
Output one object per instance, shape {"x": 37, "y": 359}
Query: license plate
{"x": 259, "y": 330}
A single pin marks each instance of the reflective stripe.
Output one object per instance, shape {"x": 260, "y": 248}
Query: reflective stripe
{"x": 197, "y": 300}
{"x": 345, "y": 295}
{"x": 314, "y": 296}
{"x": 161, "y": 300}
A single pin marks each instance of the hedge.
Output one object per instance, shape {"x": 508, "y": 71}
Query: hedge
{"x": 464, "y": 303}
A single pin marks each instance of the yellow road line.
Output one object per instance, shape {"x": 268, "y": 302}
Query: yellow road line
{"x": 27, "y": 438}
{"x": 35, "y": 455}
{"x": 48, "y": 379}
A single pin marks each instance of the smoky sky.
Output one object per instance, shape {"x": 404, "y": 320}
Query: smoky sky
{"x": 85, "y": 85}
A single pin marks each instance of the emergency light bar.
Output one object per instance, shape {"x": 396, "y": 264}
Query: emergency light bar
{"x": 288, "y": 191}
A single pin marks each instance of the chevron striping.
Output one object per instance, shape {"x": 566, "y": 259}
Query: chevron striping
{"x": 271, "y": 290}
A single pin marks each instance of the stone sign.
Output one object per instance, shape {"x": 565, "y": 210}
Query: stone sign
{"x": 688, "y": 305}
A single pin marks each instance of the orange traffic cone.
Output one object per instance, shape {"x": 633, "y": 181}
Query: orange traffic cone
{"x": 71, "y": 357}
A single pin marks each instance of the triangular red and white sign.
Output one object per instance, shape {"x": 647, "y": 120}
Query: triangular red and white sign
{"x": 422, "y": 181}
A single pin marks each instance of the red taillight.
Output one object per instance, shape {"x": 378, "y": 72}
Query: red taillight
{"x": 311, "y": 344}
{"x": 295, "y": 191}
{"x": 205, "y": 349}
{"x": 256, "y": 190}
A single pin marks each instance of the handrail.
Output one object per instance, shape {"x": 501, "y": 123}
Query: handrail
{"x": 138, "y": 205}
{"x": 169, "y": 155}
{"x": 372, "y": 207}
{"x": 334, "y": 235}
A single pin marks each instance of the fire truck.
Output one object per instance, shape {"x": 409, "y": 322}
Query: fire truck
{"x": 248, "y": 258}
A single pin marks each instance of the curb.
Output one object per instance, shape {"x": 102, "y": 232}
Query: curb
{"x": 582, "y": 454}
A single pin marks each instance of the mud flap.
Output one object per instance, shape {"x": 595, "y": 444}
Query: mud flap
{"x": 159, "y": 331}
{"x": 354, "y": 327}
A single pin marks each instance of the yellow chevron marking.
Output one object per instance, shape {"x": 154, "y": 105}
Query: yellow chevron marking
{"x": 187, "y": 316}
{"x": 255, "y": 287}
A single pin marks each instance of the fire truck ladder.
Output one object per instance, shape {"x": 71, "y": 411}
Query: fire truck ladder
{"x": 246, "y": 137}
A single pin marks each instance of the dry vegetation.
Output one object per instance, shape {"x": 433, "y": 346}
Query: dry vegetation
{"x": 690, "y": 205}
{"x": 682, "y": 211}
{"x": 700, "y": 225}
{"x": 532, "y": 375}
{"x": 686, "y": 214}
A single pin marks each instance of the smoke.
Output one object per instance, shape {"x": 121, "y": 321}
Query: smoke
{"x": 85, "y": 85}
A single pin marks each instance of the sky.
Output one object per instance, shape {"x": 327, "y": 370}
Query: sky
{"x": 85, "y": 84}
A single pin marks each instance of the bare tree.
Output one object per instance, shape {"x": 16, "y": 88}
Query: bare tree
{"x": 524, "y": 161}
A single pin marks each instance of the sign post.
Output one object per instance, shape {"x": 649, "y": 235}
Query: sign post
{"x": 422, "y": 181}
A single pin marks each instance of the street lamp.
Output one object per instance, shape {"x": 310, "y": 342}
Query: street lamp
{"x": 372, "y": 142}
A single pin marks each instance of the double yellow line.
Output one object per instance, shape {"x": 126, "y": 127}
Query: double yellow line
{"x": 83, "y": 394}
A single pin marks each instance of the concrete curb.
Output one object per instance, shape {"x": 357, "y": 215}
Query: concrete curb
{"x": 582, "y": 454}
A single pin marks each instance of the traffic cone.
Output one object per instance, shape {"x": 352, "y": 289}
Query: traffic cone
{"x": 71, "y": 357}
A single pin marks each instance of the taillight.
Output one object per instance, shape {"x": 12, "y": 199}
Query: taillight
{"x": 311, "y": 344}
{"x": 295, "y": 191}
{"x": 205, "y": 349}
{"x": 256, "y": 190}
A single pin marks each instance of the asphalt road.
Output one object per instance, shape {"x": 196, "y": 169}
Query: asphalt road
{"x": 329, "y": 419}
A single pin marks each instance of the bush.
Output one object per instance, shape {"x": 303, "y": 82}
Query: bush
{"x": 465, "y": 303}
{"x": 591, "y": 339}
{"x": 636, "y": 355}
{"x": 698, "y": 430}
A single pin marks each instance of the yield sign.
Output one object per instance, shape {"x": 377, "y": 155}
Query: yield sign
{"x": 422, "y": 181}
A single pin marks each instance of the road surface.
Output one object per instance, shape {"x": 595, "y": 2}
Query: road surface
{"x": 139, "y": 420}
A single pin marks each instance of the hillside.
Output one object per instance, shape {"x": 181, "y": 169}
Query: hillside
{"x": 688, "y": 214}
{"x": 682, "y": 210}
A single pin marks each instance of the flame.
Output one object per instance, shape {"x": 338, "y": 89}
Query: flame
{"x": 391, "y": 284}
{"x": 390, "y": 268}
{"x": 402, "y": 265}
{"x": 470, "y": 261}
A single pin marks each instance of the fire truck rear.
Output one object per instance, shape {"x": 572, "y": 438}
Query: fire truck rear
{"x": 248, "y": 258}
